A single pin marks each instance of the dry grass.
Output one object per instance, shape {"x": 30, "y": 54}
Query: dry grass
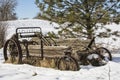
{"x": 46, "y": 62}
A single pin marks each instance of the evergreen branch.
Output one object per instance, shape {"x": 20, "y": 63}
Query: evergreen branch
{"x": 106, "y": 12}
{"x": 81, "y": 23}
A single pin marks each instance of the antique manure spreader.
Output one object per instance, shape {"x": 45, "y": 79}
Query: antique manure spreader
{"x": 29, "y": 46}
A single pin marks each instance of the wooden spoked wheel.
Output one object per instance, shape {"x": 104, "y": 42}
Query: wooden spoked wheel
{"x": 12, "y": 52}
{"x": 68, "y": 63}
{"x": 104, "y": 53}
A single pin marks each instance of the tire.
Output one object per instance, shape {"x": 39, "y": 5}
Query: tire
{"x": 12, "y": 52}
{"x": 68, "y": 63}
{"x": 104, "y": 53}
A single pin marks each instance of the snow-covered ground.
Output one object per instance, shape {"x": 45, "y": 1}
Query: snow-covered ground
{"x": 45, "y": 25}
{"x": 112, "y": 42}
{"x": 110, "y": 71}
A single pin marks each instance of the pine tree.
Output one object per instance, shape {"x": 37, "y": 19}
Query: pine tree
{"x": 86, "y": 13}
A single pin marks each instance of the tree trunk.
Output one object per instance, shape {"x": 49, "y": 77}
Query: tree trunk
{"x": 89, "y": 32}
{"x": 90, "y": 36}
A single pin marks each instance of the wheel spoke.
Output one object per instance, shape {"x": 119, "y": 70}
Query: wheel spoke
{"x": 68, "y": 63}
{"x": 105, "y": 53}
{"x": 12, "y": 51}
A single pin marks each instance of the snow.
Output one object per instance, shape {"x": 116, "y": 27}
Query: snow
{"x": 111, "y": 42}
{"x": 45, "y": 25}
{"x": 93, "y": 56}
{"x": 110, "y": 71}
{"x": 28, "y": 72}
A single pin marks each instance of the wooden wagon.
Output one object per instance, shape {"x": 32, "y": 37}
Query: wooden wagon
{"x": 30, "y": 46}
{"x": 24, "y": 48}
